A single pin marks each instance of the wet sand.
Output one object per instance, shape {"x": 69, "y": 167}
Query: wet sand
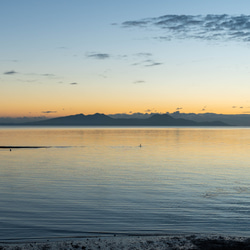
{"x": 135, "y": 242}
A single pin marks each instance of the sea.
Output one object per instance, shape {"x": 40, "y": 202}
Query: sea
{"x": 59, "y": 182}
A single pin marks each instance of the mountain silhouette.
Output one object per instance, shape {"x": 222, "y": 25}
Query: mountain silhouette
{"x": 104, "y": 120}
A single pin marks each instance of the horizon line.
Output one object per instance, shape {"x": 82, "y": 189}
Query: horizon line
{"x": 127, "y": 114}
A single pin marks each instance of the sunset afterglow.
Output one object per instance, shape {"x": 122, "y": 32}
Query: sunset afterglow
{"x": 61, "y": 57}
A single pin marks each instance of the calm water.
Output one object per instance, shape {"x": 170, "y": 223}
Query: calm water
{"x": 98, "y": 180}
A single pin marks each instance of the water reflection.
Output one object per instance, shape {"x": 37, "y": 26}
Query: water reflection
{"x": 180, "y": 180}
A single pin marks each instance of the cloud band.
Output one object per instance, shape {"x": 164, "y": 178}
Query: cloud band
{"x": 205, "y": 27}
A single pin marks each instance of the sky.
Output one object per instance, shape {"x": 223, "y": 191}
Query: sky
{"x": 65, "y": 57}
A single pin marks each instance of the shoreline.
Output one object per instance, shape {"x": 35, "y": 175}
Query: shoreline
{"x": 184, "y": 242}
{"x": 13, "y": 147}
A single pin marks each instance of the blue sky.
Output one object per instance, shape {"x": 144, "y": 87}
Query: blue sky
{"x": 66, "y": 57}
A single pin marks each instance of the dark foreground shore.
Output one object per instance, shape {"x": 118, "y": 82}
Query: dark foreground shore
{"x": 136, "y": 242}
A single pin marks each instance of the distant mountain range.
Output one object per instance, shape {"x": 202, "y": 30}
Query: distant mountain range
{"x": 104, "y": 120}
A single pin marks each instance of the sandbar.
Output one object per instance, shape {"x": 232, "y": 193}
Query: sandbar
{"x": 12, "y": 147}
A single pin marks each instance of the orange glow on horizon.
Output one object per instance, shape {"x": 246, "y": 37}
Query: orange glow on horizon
{"x": 51, "y": 113}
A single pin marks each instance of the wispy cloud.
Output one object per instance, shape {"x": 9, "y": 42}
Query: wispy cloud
{"x": 48, "y": 112}
{"x": 62, "y": 47}
{"x": 139, "y": 23}
{"x": 205, "y": 27}
{"x": 143, "y": 54}
{"x": 151, "y": 110}
{"x": 151, "y": 63}
{"x": 99, "y": 56}
{"x": 240, "y": 107}
{"x": 145, "y": 59}
{"x": 73, "y": 83}
{"x": 139, "y": 81}
{"x": 11, "y": 72}
{"x": 48, "y": 75}
{"x": 204, "y": 108}
{"x": 147, "y": 63}
{"x": 9, "y": 60}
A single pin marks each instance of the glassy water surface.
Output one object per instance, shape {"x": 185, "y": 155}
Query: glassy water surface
{"x": 98, "y": 180}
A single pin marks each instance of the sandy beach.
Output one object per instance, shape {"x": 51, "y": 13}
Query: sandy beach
{"x": 135, "y": 242}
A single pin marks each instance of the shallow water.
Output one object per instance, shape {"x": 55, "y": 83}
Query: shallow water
{"x": 98, "y": 180}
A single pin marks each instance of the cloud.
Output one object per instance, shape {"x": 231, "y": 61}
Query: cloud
{"x": 48, "y": 112}
{"x": 152, "y": 110}
{"x": 49, "y": 75}
{"x": 144, "y": 54}
{"x": 99, "y": 56}
{"x": 73, "y": 83}
{"x": 204, "y": 108}
{"x": 205, "y": 27}
{"x": 140, "y": 23}
{"x": 139, "y": 81}
{"x": 179, "y": 108}
{"x": 145, "y": 60}
{"x": 10, "y": 60}
{"x": 152, "y": 64}
{"x": 147, "y": 63}
{"x": 11, "y": 72}
{"x": 62, "y": 47}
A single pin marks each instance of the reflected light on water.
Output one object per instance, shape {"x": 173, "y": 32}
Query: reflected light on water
{"x": 99, "y": 179}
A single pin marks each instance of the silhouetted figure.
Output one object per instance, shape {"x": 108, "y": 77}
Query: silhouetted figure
{"x": 140, "y": 146}
{"x": 10, "y": 149}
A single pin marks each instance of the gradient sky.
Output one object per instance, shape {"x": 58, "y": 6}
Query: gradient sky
{"x": 65, "y": 57}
